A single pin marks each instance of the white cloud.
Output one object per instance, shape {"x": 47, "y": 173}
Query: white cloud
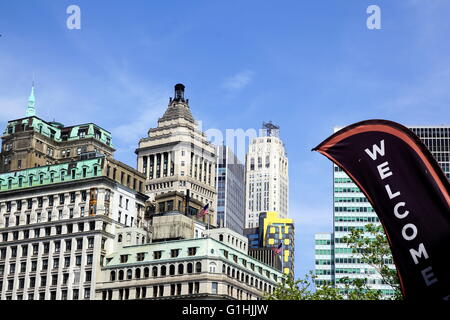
{"x": 238, "y": 81}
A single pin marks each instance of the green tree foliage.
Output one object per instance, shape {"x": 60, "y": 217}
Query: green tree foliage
{"x": 372, "y": 248}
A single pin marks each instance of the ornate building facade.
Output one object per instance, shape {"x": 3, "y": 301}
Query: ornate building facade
{"x": 176, "y": 156}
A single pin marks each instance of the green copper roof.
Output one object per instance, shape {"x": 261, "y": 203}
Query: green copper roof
{"x": 48, "y": 175}
{"x": 57, "y": 132}
{"x": 31, "y": 111}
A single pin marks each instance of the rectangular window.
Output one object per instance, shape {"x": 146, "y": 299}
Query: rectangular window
{"x": 192, "y": 251}
{"x": 214, "y": 287}
{"x": 65, "y": 278}
{"x": 140, "y": 256}
{"x": 174, "y": 253}
{"x": 157, "y": 254}
{"x": 55, "y": 263}
{"x": 32, "y": 282}
{"x": 196, "y": 287}
{"x": 79, "y": 244}
{"x": 91, "y": 243}
{"x": 43, "y": 281}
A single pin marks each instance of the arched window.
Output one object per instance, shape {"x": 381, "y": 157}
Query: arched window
{"x": 121, "y": 275}
{"x": 223, "y": 268}
{"x": 242, "y": 277}
{"x": 252, "y": 164}
{"x": 119, "y": 238}
{"x": 251, "y": 281}
{"x": 246, "y": 279}
{"x": 163, "y": 270}
{"x": 171, "y": 270}
{"x": 265, "y": 287}
{"x": 228, "y": 271}
{"x": 233, "y": 273}
{"x": 221, "y": 237}
{"x": 198, "y": 267}
{"x": 180, "y": 269}
{"x": 155, "y": 271}
{"x": 267, "y": 161}
{"x": 237, "y": 275}
{"x": 189, "y": 267}
{"x": 259, "y": 162}
{"x": 138, "y": 273}
{"x": 146, "y": 272}
{"x": 212, "y": 267}
{"x": 129, "y": 274}
{"x": 113, "y": 276}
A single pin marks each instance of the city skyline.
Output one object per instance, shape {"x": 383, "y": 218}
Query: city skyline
{"x": 296, "y": 71}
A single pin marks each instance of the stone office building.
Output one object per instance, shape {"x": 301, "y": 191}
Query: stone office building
{"x": 32, "y": 142}
{"x": 176, "y": 156}
{"x": 204, "y": 268}
{"x": 59, "y": 221}
{"x": 55, "y": 234}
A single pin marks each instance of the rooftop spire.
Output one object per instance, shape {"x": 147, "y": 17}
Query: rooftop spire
{"x": 31, "y": 103}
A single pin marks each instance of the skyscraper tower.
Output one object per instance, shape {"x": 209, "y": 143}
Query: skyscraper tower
{"x": 267, "y": 181}
{"x": 334, "y": 259}
{"x": 176, "y": 156}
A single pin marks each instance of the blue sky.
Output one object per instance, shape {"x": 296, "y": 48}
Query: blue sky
{"x": 305, "y": 65}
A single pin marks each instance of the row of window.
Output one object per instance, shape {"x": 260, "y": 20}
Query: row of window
{"x": 33, "y": 265}
{"x": 40, "y": 200}
{"x": 141, "y": 292}
{"x": 348, "y": 229}
{"x": 52, "y": 295}
{"x": 354, "y": 209}
{"x": 350, "y": 199}
{"x": 49, "y": 231}
{"x": 47, "y": 177}
{"x": 247, "y": 279}
{"x": 44, "y": 281}
{"x": 142, "y": 273}
{"x": 356, "y": 219}
{"x": 346, "y": 260}
{"x": 324, "y": 242}
{"x": 157, "y": 254}
{"x": 46, "y": 248}
{"x": 137, "y": 185}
